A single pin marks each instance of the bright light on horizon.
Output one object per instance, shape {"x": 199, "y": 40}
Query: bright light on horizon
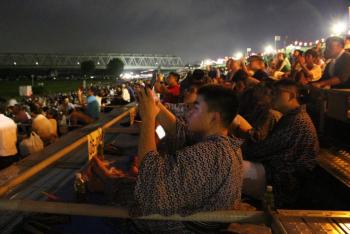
{"x": 338, "y": 28}
{"x": 238, "y": 55}
{"x": 269, "y": 50}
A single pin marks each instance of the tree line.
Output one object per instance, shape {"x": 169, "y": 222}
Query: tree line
{"x": 114, "y": 67}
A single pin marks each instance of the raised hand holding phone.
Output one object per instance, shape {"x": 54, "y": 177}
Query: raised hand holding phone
{"x": 147, "y": 104}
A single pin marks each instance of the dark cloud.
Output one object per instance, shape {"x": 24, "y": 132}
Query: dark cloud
{"x": 192, "y": 29}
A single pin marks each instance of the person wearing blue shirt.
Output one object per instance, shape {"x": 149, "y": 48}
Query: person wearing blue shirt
{"x": 91, "y": 108}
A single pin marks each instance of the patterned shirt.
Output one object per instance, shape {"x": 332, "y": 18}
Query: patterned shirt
{"x": 180, "y": 110}
{"x": 288, "y": 155}
{"x": 205, "y": 176}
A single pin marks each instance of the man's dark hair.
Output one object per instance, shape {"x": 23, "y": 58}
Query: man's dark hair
{"x": 35, "y": 109}
{"x": 299, "y": 51}
{"x": 281, "y": 53}
{"x": 176, "y": 75}
{"x": 288, "y": 85}
{"x": 222, "y": 100}
{"x": 3, "y": 105}
{"x": 92, "y": 89}
{"x": 338, "y": 40}
{"x": 212, "y": 73}
{"x": 198, "y": 75}
{"x": 255, "y": 103}
{"x": 311, "y": 52}
{"x": 240, "y": 75}
{"x": 255, "y": 58}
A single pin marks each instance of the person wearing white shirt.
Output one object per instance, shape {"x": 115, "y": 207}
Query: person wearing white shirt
{"x": 125, "y": 93}
{"x": 337, "y": 72}
{"x": 309, "y": 70}
{"x": 8, "y": 138}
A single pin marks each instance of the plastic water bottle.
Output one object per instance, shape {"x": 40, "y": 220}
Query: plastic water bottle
{"x": 100, "y": 150}
{"x": 63, "y": 124}
{"x": 80, "y": 187}
{"x": 269, "y": 201}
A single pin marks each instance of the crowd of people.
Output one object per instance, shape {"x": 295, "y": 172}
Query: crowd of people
{"x": 229, "y": 133}
{"x": 31, "y": 123}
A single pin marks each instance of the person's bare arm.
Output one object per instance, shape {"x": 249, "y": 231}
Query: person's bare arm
{"x": 242, "y": 124}
{"x": 166, "y": 119}
{"x": 332, "y": 81}
{"x": 80, "y": 98}
{"x": 253, "y": 81}
{"x": 159, "y": 87}
{"x": 307, "y": 72}
{"x": 148, "y": 112}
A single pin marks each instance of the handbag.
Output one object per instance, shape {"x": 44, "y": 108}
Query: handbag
{"x": 31, "y": 145}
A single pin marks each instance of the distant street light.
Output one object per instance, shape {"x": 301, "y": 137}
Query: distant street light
{"x": 14, "y": 63}
{"x": 277, "y": 38}
{"x": 269, "y": 50}
{"x": 37, "y": 63}
{"x": 338, "y": 28}
{"x": 238, "y": 55}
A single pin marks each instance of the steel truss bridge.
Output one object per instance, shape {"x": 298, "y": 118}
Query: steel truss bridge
{"x": 71, "y": 61}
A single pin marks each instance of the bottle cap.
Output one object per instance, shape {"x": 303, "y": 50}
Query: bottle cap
{"x": 269, "y": 188}
{"x": 78, "y": 175}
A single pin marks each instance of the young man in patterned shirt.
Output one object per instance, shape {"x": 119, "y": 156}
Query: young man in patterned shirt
{"x": 204, "y": 175}
{"x": 289, "y": 153}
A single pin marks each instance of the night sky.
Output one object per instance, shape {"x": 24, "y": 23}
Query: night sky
{"x": 192, "y": 29}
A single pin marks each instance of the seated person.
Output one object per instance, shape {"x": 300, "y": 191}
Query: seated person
{"x": 180, "y": 110}
{"x": 171, "y": 91}
{"x": 232, "y": 66}
{"x": 203, "y": 176}
{"x": 52, "y": 116}
{"x": 309, "y": 71}
{"x": 42, "y": 125}
{"x": 91, "y": 107}
{"x": 255, "y": 107}
{"x": 20, "y": 115}
{"x": 66, "y": 106}
{"x": 295, "y": 60}
{"x": 283, "y": 66}
{"x": 337, "y": 72}
{"x": 8, "y": 138}
{"x": 257, "y": 66}
{"x": 288, "y": 154}
{"x": 240, "y": 82}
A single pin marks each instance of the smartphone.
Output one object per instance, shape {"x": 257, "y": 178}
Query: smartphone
{"x": 160, "y": 132}
{"x": 153, "y": 80}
